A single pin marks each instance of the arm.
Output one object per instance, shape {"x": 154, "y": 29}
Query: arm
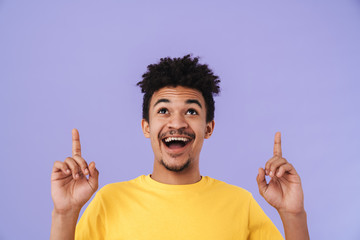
{"x": 285, "y": 193}
{"x": 63, "y": 225}
{"x": 295, "y": 225}
{"x": 70, "y": 190}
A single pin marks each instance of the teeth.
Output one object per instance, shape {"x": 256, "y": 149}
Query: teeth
{"x": 169, "y": 139}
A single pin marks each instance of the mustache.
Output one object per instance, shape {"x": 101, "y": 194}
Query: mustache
{"x": 176, "y": 132}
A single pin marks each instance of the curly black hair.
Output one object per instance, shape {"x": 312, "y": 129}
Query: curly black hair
{"x": 185, "y": 72}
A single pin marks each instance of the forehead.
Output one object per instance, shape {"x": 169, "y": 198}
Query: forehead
{"x": 177, "y": 93}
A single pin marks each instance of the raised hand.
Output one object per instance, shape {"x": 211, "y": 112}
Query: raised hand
{"x": 284, "y": 190}
{"x": 70, "y": 188}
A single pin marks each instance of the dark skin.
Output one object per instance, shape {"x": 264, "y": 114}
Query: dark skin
{"x": 284, "y": 192}
{"x": 71, "y": 188}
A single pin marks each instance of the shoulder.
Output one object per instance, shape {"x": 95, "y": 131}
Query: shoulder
{"x": 229, "y": 189}
{"x": 112, "y": 189}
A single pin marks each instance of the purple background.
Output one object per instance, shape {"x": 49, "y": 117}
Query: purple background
{"x": 285, "y": 66}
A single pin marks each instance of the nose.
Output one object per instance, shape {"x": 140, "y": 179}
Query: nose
{"x": 177, "y": 121}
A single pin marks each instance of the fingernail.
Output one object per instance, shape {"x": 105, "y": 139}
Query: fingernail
{"x": 67, "y": 171}
{"x": 278, "y": 174}
{"x": 271, "y": 173}
{"x": 77, "y": 175}
{"x": 86, "y": 171}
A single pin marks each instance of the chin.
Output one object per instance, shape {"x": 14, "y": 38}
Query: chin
{"x": 176, "y": 167}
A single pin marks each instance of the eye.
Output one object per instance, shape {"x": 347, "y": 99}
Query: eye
{"x": 163, "y": 111}
{"x": 192, "y": 112}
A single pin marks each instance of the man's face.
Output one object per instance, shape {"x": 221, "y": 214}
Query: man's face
{"x": 177, "y": 127}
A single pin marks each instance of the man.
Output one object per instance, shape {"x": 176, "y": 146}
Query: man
{"x": 175, "y": 201}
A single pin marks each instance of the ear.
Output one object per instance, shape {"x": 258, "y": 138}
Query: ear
{"x": 209, "y": 129}
{"x": 146, "y": 128}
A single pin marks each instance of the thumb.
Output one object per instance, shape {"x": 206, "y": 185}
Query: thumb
{"x": 261, "y": 181}
{"x": 93, "y": 176}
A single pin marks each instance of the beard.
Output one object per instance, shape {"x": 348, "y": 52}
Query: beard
{"x": 176, "y": 168}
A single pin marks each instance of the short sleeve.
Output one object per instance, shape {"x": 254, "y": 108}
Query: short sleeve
{"x": 260, "y": 225}
{"x": 91, "y": 224}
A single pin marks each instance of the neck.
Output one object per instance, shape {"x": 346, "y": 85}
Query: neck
{"x": 187, "y": 176}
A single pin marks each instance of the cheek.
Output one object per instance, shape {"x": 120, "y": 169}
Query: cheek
{"x": 201, "y": 130}
{"x": 200, "y": 136}
{"x": 154, "y": 132}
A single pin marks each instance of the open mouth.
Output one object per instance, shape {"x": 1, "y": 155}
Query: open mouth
{"x": 176, "y": 142}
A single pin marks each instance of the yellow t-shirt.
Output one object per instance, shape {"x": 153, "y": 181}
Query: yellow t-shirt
{"x": 143, "y": 208}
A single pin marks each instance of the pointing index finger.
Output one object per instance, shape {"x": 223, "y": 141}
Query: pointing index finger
{"x": 76, "y": 147}
{"x": 277, "y": 145}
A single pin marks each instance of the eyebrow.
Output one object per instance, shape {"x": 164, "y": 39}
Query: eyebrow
{"x": 189, "y": 101}
{"x": 161, "y": 100}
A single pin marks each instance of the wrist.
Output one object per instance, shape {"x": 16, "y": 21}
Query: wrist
{"x": 295, "y": 225}
{"x": 72, "y": 213}
{"x": 63, "y": 224}
{"x": 292, "y": 214}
